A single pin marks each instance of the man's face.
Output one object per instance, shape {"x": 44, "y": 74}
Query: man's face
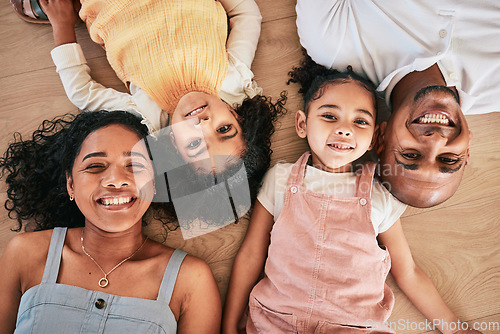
{"x": 424, "y": 148}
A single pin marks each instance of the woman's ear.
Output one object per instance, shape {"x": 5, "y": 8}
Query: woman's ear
{"x": 300, "y": 124}
{"x": 378, "y": 138}
{"x": 69, "y": 185}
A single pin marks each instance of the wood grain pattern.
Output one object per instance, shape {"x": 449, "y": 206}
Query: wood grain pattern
{"x": 456, "y": 243}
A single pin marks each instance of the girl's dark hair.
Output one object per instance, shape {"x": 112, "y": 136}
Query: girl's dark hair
{"x": 257, "y": 118}
{"x": 35, "y": 169}
{"x": 314, "y": 78}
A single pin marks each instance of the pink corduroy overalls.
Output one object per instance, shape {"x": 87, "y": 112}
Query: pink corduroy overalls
{"x": 325, "y": 272}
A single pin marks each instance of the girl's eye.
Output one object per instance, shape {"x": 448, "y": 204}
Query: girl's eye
{"x": 361, "y": 122}
{"x": 328, "y": 116}
{"x": 411, "y": 156}
{"x": 194, "y": 144}
{"x": 224, "y": 128}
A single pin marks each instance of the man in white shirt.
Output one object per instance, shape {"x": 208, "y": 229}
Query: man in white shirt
{"x": 436, "y": 61}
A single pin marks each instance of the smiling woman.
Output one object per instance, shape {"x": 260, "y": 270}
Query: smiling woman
{"x": 84, "y": 184}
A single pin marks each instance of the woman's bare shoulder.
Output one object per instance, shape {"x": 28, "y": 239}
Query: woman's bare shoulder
{"x": 30, "y": 242}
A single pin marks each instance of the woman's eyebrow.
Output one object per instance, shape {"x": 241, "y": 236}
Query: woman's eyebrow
{"x": 94, "y": 154}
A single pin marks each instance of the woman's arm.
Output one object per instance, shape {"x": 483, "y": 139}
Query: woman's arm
{"x": 10, "y": 284}
{"x": 244, "y": 19}
{"x": 201, "y": 309}
{"x": 414, "y": 281}
{"x": 247, "y": 267}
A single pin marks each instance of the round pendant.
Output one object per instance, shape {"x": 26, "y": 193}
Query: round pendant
{"x": 103, "y": 282}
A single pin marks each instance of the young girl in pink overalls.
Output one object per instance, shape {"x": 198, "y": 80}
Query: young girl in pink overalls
{"x": 317, "y": 223}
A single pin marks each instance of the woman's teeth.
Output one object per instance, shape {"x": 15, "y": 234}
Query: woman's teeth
{"x": 116, "y": 200}
{"x": 433, "y": 119}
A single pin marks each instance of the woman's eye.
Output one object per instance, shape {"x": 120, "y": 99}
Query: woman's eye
{"x": 411, "y": 156}
{"x": 224, "y": 128}
{"x": 193, "y": 144}
{"x": 94, "y": 167}
{"x": 361, "y": 122}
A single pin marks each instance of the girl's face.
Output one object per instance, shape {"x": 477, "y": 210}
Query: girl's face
{"x": 112, "y": 179}
{"x": 339, "y": 126}
{"x": 205, "y": 129}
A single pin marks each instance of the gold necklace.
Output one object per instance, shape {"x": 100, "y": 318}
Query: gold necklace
{"x": 103, "y": 282}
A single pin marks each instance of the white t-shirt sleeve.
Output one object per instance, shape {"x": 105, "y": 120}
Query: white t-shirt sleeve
{"x": 272, "y": 192}
{"x": 386, "y": 209}
{"x": 266, "y": 193}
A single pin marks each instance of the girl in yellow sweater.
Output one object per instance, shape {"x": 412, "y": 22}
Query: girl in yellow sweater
{"x": 180, "y": 66}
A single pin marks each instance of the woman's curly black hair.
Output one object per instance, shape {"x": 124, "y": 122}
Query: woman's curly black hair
{"x": 35, "y": 169}
{"x": 257, "y": 120}
{"x": 313, "y": 78}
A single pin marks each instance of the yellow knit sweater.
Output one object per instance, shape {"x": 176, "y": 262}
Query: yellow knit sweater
{"x": 166, "y": 47}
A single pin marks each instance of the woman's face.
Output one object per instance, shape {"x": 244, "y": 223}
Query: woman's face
{"x": 112, "y": 179}
{"x": 206, "y": 131}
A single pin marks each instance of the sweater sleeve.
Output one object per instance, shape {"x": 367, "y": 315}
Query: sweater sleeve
{"x": 81, "y": 89}
{"x": 87, "y": 94}
{"x": 244, "y": 20}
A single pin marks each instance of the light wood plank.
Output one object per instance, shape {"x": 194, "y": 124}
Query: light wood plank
{"x": 276, "y": 9}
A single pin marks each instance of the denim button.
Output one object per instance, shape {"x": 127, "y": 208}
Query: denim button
{"x": 293, "y": 189}
{"x": 100, "y": 303}
{"x": 362, "y": 201}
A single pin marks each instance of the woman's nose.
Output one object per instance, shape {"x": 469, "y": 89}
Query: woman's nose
{"x": 117, "y": 178}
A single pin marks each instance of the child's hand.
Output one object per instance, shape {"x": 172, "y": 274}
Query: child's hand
{"x": 61, "y": 13}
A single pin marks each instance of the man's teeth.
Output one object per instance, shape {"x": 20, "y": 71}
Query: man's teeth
{"x": 116, "y": 200}
{"x": 433, "y": 119}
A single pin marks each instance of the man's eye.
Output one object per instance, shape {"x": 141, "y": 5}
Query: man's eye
{"x": 194, "y": 144}
{"x": 224, "y": 128}
{"x": 449, "y": 161}
{"x": 411, "y": 156}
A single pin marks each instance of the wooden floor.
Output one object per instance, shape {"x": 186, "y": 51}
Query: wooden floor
{"x": 456, "y": 243}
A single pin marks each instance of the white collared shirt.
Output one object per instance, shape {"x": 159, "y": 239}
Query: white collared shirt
{"x": 386, "y": 40}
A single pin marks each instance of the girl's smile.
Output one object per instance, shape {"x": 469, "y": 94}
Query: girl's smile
{"x": 339, "y": 125}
